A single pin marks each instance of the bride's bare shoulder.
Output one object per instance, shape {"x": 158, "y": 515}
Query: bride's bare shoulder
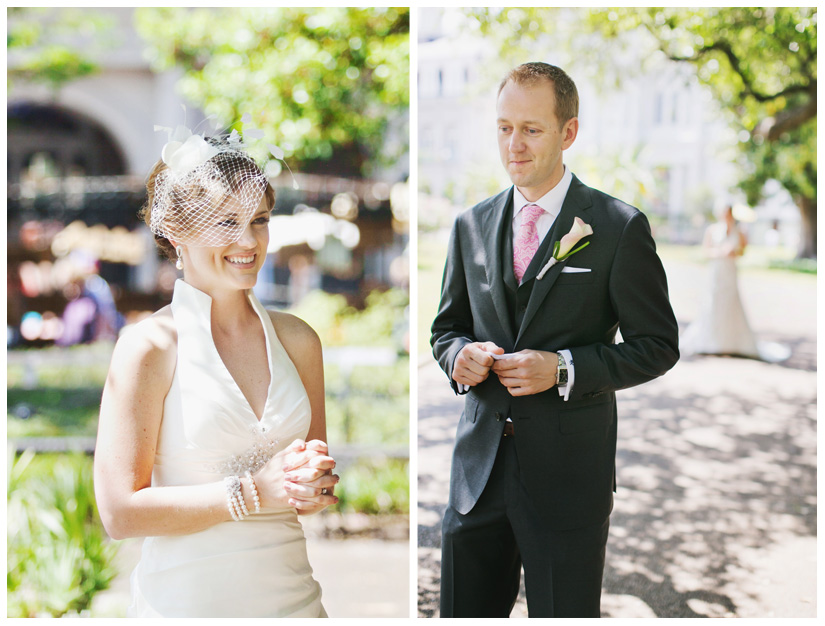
{"x": 150, "y": 345}
{"x": 292, "y": 328}
{"x": 297, "y": 337}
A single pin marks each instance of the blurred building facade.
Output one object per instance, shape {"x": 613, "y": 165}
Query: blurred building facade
{"x": 77, "y": 161}
{"x": 659, "y": 130}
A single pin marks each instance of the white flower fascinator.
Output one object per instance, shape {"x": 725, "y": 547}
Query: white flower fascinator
{"x": 210, "y": 188}
{"x": 185, "y": 151}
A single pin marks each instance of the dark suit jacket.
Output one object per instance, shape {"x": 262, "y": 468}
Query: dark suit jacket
{"x": 566, "y": 450}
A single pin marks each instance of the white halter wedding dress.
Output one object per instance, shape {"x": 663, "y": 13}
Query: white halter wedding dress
{"x": 257, "y": 567}
{"x": 722, "y": 326}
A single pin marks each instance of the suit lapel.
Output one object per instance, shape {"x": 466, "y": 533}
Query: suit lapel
{"x": 576, "y": 204}
{"x": 494, "y": 228}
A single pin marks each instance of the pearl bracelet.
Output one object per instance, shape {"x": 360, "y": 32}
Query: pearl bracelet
{"x": 234, "y": 498}
{"x": 254, "y": 490}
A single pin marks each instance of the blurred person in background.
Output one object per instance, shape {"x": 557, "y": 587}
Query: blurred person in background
{"x": 722, "y": 325}
{"x": 91, "y": 314}
{"x": 212, "y": 427}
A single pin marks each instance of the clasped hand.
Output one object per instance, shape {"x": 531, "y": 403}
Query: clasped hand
{"x": 524, "y": 373}
{"x": 297, "y": 476}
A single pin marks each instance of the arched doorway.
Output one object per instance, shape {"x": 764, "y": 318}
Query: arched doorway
{"x": 66, "y": 170}
{"x": 46, "y": 139}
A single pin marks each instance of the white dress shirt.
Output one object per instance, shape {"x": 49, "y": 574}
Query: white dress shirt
{"x": 551, "y": 203}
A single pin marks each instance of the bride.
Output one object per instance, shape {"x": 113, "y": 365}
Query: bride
{"x": 212, "y": 425}
{"x": 722, "y": 326}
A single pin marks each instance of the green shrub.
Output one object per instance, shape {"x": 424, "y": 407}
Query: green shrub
{"x": 339, "y": 324}
{"x": 379, "y": 485}
{"x": 371, "y": 406}
{"x": 58, "y": 555}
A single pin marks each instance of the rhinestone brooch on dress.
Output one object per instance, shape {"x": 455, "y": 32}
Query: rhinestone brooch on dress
{"x": 253, "y": 459}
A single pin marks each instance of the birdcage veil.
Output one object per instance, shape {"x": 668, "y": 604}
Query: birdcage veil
{"x": 210, "y": 188}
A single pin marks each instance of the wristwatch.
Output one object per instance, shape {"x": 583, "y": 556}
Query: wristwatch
{"x": 561, "y": 371}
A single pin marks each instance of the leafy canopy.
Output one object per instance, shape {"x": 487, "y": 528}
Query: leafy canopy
{"x": 53, "y": 47}
{"x": 760, "y": 64}
{"x": 319, "y": 82}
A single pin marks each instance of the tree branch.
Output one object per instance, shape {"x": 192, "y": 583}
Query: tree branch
{"x": 772, "y": 128}
{"x": 749, "y": 90}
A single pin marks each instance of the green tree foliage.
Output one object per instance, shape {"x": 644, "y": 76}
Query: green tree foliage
{"x": 45, "y": 45}
{"x": 323, "y": 83}
{"x": 760, "y": 64}
{"x": 339, "y": 324}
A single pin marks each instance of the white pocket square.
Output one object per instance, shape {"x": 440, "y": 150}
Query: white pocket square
{"x": 574, "y": 270}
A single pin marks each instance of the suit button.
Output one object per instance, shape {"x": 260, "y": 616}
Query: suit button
{"x": 498, "y": 416}
{"x": 523, "y": 308}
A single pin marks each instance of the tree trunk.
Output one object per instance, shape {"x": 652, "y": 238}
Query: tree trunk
{"x": 807, "y": 234}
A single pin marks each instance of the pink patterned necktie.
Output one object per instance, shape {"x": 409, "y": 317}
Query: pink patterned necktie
{"x": 527, "y": 239}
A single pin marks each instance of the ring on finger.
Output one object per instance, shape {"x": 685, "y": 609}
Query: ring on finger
{"x": 324, "y": 491}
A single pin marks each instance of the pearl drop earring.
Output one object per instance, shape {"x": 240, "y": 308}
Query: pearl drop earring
{"x": 179, "y": 264}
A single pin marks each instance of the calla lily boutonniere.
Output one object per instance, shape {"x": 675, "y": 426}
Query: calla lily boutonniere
{"x": 564, "y": 248}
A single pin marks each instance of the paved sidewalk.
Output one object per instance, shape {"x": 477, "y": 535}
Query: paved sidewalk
{"x": 715, "y": 515}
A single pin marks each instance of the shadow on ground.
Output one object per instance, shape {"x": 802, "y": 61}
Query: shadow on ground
{"x": 716, "y": 464}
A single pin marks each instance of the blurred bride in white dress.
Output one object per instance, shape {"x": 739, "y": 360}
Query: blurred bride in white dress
{"x": 722, "y": 326}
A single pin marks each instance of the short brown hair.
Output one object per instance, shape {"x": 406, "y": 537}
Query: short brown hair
{"x": 229, "y": 163}
{"x": 567, "y": 96}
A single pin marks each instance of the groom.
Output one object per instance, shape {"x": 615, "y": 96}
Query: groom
{"x": 533, "y": 468}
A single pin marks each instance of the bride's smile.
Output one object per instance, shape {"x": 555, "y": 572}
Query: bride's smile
{"x": 234, "y": 266}
{"x": 242, "y": 261}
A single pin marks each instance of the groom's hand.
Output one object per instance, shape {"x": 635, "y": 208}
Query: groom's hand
{"x": 527, "y": 372}
{"x": 472, "y": 365}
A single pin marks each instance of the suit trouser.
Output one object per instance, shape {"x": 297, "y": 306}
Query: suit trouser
{"x": 482, "y": 554}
